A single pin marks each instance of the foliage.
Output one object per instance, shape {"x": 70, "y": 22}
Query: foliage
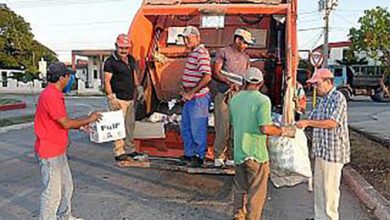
{"x": 373, "y": 36}
{"x": 18, "y": 49}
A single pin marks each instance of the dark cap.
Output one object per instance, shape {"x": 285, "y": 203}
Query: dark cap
{"x": 56, "y": 70}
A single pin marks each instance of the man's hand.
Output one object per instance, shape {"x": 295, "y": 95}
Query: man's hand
{"x": 94, "y": 116}
{"x": 113, "y": 102}
{"x": 302, "y": 124}
{"x": 289, "y": 131}
{"x": 140, "y": 93}
{"x": 234, "y": 87}
{"x": 187, "y": 96}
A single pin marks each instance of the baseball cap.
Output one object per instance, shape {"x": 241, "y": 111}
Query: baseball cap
{"x": 190, "y": 31}
{"x": 245, "y": 34}
{"x": 122, "y": 40}
{"x": 58, "y": 69}
{"x": 320, "y": 74}
{"x": 253, "y": 75}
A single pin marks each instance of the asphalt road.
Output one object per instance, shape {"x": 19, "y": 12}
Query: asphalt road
{"x": 105, "y": 191}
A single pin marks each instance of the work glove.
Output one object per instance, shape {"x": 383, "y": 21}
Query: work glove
{"x": 289, "y": 131}
{"x": 113, "y": 102}
{"x": 140, "y": 93}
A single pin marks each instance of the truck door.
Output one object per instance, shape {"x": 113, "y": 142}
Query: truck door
{"x": 340, "y": 76}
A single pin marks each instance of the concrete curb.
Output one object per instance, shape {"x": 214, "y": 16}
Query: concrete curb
{"x": 15, "y": 127}
{"x": 366, "y": 193}
{"x": 7, "y": 107}
{"x": 371, "y": 136}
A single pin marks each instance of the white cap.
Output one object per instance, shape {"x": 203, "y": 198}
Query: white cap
{"x": 245, "y": 34}
{"x": 190, "y": 31}
{"x": 253, "y": 75}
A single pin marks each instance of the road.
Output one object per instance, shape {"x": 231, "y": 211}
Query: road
{"x": 104, "y": 191}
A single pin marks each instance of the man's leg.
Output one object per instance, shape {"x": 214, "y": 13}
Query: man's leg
{"x": 130, "y": 126}
{"x": 51, "y": 195}
{"x": 332, "y": 176}
{"x": 64, "y": 210}
{"x": 221, "y": 112}
{"x": 185, "y": 129}
{"x": 119, "y": 145}
{"x": 319, "y": 190}
{"x": 257, "y": 188}
{"x": 199, "y": 122}
{"x": 240, "y": 189}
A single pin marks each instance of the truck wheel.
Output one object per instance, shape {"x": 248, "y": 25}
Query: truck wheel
{"x": 347, "y": 94}
{"x": 380, "y": 97}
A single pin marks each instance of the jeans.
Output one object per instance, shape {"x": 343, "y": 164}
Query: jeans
{"x": 58, "y": 188}
{"x": 194, "y": 123}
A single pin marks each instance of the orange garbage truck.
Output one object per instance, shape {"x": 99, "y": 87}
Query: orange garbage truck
{"x": 161, "y": 54}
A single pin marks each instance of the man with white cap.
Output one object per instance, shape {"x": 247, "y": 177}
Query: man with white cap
{"x": 196, "y": 77}
{"x": 250, "y": 113}
{"x": 331, "y": 147}
{"x": 231, "y": 59}
{"x": 120, "y": 83}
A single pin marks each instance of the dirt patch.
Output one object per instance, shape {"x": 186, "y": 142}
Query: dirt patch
{"x": 372, "y": 161}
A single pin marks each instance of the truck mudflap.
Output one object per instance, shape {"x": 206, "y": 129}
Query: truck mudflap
{"x": 174, "y": 164}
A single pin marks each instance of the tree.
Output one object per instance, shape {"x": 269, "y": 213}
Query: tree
{"x": 373, "y": 37}
{"x": 18, "y": 49}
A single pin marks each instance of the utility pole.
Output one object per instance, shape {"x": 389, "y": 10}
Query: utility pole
{"x": 327, "y": 6}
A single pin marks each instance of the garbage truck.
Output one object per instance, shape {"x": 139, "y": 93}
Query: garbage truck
{"x": 161, "y": 54}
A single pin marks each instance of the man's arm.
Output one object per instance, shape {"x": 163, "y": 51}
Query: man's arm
{"x": 201, "y": 84}
{"x": 217, "y": 73}
{"x": 271, "y": 130}
{"x": 107, "y": 84}
{"x": 69, "y": 123}
{"x": 326, "y": 124}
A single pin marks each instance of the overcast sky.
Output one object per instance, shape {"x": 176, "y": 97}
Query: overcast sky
{"x": 64, "y": 25}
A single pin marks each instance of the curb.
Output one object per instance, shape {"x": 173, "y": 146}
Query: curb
{"x": 366, "y": 193}
{"x": 12, "y": 106}
{"x": 15, "y": 127}
{"x": 371, "y": 136}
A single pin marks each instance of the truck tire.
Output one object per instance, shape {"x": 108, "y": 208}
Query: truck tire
{"x": 347, "y": 94}
{"x": 380, "y": 97}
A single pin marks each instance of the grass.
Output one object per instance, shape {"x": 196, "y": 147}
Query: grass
{"x": 16, "y": 120}
{"x": 9, "y": 101}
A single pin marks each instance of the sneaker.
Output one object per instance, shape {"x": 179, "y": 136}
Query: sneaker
{"x": 185, "y": 158}
{"x": 123, "y": 157}
{"x": 138, "y": 156}
{"x": 219, "y": 163}
{"x": 196, "y": 162}
{"x": 229, "y": 163}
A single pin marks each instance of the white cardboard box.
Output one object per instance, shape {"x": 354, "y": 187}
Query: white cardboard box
{"x": 110, "y": 128}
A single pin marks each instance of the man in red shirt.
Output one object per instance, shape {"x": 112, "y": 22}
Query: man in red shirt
{"x": 51, "y": 127}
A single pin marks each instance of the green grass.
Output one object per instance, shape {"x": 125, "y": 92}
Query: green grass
{"x": 9, "y": 101}
{"x": 16, "y": 120}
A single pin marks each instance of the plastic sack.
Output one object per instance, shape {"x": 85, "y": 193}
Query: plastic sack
{"x": 289, "y": 160}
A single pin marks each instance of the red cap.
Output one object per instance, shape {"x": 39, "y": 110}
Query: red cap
{"x": 320, "y": 74}
{"x": 122, "y": 40}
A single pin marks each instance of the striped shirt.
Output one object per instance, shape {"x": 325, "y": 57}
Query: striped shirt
{"x": 332, "y": 144}
{"x": 198, "y": 63}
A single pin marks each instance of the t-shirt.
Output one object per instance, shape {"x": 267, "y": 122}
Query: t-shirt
{"x": 233, "y": 61}
{"x": 122, "y": 81}
{"x": 248, "y": 111}
{"x": 51, "y": 137}
{"x": 198, "y": 63}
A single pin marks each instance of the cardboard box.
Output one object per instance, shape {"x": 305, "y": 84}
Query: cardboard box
{"x": 110, "y": 128}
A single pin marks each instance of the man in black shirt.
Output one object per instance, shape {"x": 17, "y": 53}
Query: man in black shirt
{"x": 120, "y": 82}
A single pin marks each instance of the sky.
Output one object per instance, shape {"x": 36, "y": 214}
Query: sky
{"x": 65, "y": 25}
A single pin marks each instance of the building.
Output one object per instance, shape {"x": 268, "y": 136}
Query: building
{"x": 89, "y": 67}
{"x": 338, "y": 50}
